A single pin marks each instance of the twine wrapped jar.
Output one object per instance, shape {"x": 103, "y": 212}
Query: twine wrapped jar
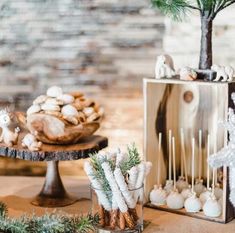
{"x": 118, "y": 218}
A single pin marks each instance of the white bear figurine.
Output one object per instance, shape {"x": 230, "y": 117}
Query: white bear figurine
{"x": 230, "y": 72}
{"x": 29, "y": 141}
{"x": 226, "y": 73}
{"x": 164, "y": 67}
{"x": 8, "y": 137}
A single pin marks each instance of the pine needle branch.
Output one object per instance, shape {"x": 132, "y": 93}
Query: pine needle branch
{"x": 3, "y": 210}
{"x": 132, "y": 159}
{"x": 48, "y": 223}
{"x": 176, "y": 9}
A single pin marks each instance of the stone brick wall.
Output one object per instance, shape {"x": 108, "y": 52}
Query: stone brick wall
{"x": 102, "y": 47}
{"x": 76, "y": 43}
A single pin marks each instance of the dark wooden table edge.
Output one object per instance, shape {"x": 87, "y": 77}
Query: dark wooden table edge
{"x": 100, "y": 142}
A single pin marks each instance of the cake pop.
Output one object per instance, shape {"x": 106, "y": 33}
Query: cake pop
{"x": 199, "y": 187}
{"x": 174, "y": 200}
{"x": 182, "y": 182}
{"x": 212, "y": 208}
{"x": 187, "y": 192}
{"x": 158, "y": 195}
{"x": 192, "y": 204}
{"x": 169, "y": 183}
{"x": 207, "y": 192}
{"x": 218, "y": 191}
{"x": 205, "y": 195}
{"x": 169, "y": 186}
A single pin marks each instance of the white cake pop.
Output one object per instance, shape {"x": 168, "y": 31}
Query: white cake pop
{"x": 158, "y": 196}
{"x": 169, "y": 186}
{"x": 207, "y": 191}
{"x": 192, "y": 204}
{"x": 199, "y": 187}
{"x": 187, "y": 192}
{"x": 181, "y": 184}
{"x": 205, "y": 195}
{"x": 175, "y": 200}
{"x": 218, "y": 191}
{"x": 212, "y": 207}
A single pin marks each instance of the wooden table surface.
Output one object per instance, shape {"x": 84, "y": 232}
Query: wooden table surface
{"x": 17, "y": 193}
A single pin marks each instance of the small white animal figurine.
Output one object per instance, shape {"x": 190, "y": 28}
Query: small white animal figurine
{"x": 226, "y": 73}
{"x": 187, "y": 73}
{"x": 29, "y": 141}
{"x": 164, "y": 67}
{"x": 8, "y": 137}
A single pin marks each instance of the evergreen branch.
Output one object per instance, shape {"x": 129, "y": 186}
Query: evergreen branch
{"x": 228, "y": 3}
{"x": 99, "y": 172}
{"x": 200, "y": 6}
{"x": 49, "y": 223}
{"x": 82, "y": 224}
{"x": 10, "y": 225}
{"x": 132, "y": 159}
{"x": 3, "y": 210}
{"x": 174, "y": 8}
{"x": 193, "y": 7}
{"x": 223, "y": 4}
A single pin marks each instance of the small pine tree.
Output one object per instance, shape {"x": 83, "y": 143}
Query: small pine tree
{"x": 208, "y": 10}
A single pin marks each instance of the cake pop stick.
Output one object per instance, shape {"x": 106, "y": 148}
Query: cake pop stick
{"x": 193, "y": 204}
{"x": 158, "y": 195}
{"x": 169, "y": 183}
{"x": 181, "y": 164}
{"x": 199, "y": 187}
{"x": 208, "y": 167}
{"x": 193, "y": 156}
{"x": 215, "y": 170}
{"x": 159, "y": 159}
{"x": 200, "y": 154}
{"x": 207, "y": 192}
{"x": 174, "y": 200}
{"x": 184, "y": 155}
{"x": 174, "y": 169}
{"x": 170, "y": 154}
{"x": 186, "y": 192}
{"x": 181, "y": 184}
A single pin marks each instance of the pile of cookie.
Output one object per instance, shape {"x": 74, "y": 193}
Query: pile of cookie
{"x": 72, "y": 108}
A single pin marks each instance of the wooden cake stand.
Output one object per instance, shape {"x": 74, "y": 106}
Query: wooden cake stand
{"x": 53, "y": 193}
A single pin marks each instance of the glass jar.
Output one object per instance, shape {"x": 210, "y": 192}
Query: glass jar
{"x": 114, "y": 220}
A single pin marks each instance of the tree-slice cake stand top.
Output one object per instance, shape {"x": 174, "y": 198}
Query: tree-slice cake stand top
{"x": 53, "y": 193}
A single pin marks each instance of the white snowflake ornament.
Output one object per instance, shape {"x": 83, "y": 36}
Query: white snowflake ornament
{"x": 226, "y": 156}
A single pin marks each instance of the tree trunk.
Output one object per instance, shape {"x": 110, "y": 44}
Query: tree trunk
{"x": 206, "y": 43}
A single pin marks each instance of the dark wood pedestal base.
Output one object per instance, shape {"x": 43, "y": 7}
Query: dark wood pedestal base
{"x": 53, "y": 193}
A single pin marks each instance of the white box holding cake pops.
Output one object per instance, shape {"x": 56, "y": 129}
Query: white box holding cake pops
{"x": 186, "y": 111}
